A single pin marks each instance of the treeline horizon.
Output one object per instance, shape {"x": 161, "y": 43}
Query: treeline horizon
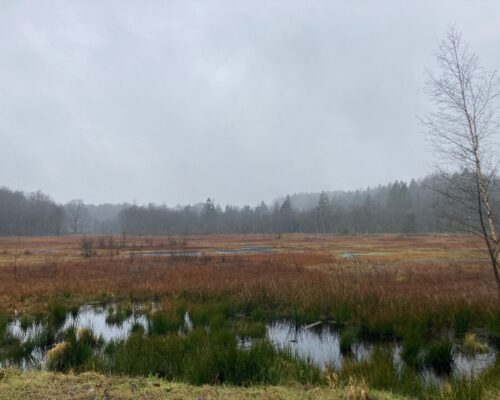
{"x": 397, "y": 207}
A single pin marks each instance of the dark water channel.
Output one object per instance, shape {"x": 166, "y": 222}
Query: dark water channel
{"x": 198, "y": 253}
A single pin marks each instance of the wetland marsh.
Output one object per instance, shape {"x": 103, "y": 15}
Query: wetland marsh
{"x": 298, "y": 311}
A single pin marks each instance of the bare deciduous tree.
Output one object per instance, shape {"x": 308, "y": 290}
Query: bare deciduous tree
{"x": 77, "y": 215}
{"x": 461, "y": 131}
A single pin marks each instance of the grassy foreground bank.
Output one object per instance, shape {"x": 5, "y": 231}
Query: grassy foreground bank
{"x": 46, "y": 385}
{"x": 15, "y": 384}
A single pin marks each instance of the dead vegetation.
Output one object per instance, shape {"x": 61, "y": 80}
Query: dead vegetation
{"x": 306, "y": 273}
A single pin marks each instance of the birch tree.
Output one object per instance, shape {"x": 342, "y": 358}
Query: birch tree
{"x": 462, "y": 130}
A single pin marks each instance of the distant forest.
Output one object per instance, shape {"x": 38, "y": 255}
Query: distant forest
{"x": 398, "y": 207}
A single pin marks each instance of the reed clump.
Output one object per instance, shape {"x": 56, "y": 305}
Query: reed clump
{"x": 206, "y": 357}
{"x": 250, "y": 329}
{"x": 74, "y": 351}
{"x": 379, "y": 372}
{"x": 161, "y": 323}
{"x": 494, "y": 330}
{"x": 57, "y": 314}
{"x": 58, "y": 358}
{"x": 472, "y": 344}
{"x": 4, "y": 322}
{"x": 412, "y": 348}
{"x": 439, "y": 356}
{"x": 347, "y": 339}
{"x": 118, "y": 314}
{"x": 12, "y": 348}
{"x": 462, "y": 321}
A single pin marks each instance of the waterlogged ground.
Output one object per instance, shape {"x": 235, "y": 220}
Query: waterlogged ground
{"x": 88, "y": 317}
{"x": 248, "y": 297}
{"x": 421, "y": 248}
{"x": 199, "y": 253}
{"x": 318, "y": 342}
{"x": 321, "y": 343}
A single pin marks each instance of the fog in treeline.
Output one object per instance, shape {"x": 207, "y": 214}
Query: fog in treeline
{"x": 398, "y": 207}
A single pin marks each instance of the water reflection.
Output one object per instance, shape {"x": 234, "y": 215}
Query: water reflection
{"x": 319, "y": 342}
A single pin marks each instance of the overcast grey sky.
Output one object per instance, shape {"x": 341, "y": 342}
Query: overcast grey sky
{"x": 242, "y": 101}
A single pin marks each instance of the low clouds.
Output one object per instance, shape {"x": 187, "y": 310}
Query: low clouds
{"x": 240, "y": 101}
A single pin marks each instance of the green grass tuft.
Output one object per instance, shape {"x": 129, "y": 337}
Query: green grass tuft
{"x": 347, "y": 339}
{"x": 439, "y": 356}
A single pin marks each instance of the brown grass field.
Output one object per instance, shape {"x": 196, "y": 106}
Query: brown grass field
{"x": 383, "y": 285}
{"x": 310, "y": 271}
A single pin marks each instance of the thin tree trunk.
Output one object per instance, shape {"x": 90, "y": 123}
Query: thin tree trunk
{"x": 492, "y": 250}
